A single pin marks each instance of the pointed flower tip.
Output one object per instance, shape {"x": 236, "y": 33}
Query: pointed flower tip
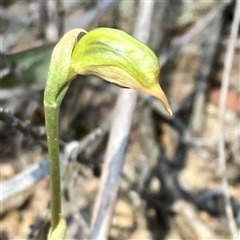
{"x": 121, "y": 59}
{"x": 157, "y": 92}
{"x": 169, "y": 110}
{"x": 167, "y": 106}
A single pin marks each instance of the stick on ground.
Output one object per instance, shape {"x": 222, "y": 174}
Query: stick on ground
{"x": 119, "y": 133}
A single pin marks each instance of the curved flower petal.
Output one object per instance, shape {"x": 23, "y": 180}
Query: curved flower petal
{"x": 119, "y": 58}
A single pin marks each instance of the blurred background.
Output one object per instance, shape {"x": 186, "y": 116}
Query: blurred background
{"x": 172, "y": 180}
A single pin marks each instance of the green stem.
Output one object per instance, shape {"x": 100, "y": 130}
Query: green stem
{"x": 51, "y": 116}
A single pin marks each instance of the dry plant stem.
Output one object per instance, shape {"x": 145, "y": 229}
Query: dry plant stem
{"x": 119, "y": 133}
{"x": 224, "y": 91}
{"x": 96, "y": 20}
{"x": 29, "y": 177}
{"x": 24, "y": 127}
{"x": 188, "y": 222}
{"x": 60, "y": 17}
{"x": 182, "y": 41}
{"x": 88, "y": 20}
{"x": 207, "y": 49}
{"x": 43, "y": 17}
{"x": 36, "y": 225}
{"x": 113, "y": 164}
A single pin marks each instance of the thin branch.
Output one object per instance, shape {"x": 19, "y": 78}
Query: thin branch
{"x": 89, "y": 18}
{"x": 24, "y": 180}
{"x": 223, "y": 99}
{"x": 24, "y": 127}
{"x": 75, "y": 148}
{"x": 182, "y": 41}
{"x": 43, "y": 18}
{"x": 208, "y": 48}
{"x": 117, "y": 143}
{"x": 36, "y": 225}
{"x": 173, "y": 49}
{"x": 18, "y": 92}
{"x": 98, "y": 7}
{"x": 186, "y": 214}
{"x": 10, "y": 16}
{"x": 39, "y": 133}
{"x": 28, "y": 178}
{"x": 60, "y": 17}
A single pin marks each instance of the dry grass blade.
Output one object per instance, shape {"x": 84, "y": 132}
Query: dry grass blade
{"x": 223, "y": 99}
{"x": 119, "y": 133}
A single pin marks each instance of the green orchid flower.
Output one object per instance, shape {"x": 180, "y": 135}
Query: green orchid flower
{"x": 108, "y": 53}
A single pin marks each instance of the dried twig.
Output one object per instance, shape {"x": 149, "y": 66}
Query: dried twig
{"x": 90, "y": 16}
{"x": 60, "y": 17}
{"x": 207, "y": 51}
{"x": 182, "y": 41}
{"x": 18, "y": 92}
{"x": 173, "y": 49}
{"x": 43, "y": 18}
{"x": 16, "y": 28}
{"x": 8, "y": 15}
{"x": 28, "y": 178}
{"x": 223, "y": 99}
{"x": 98, "y": 7}
{"x": 24, "y": 127}
{"x": 24, "y": 180}
{"x": 186, "y": 218}
{"x": 36, "y": 225}
{"x": 188, "y": 222}
{"x": 88, "y": 140}
{"x": 118, "y": 140}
